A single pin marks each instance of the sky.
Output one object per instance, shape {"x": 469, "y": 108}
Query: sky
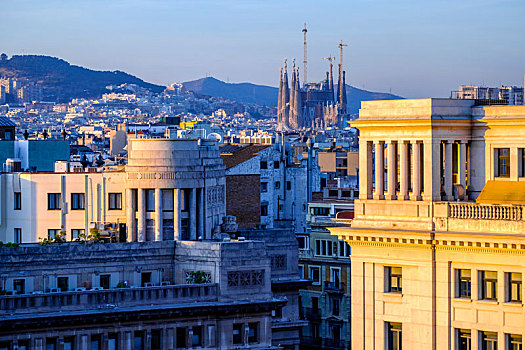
{"x": 412, "y": 48}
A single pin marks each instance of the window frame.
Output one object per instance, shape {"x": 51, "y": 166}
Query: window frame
{"x": 509, "y": 286}
{"x": 115, "y": 201}
{"x": 312, "y": 267}
{"x": 255, "y": 327}
{"x": 78, "y": 201}
{"x": 391, "y": 277}
{"x": 56, "y": 203}
{"x": 17, "y": 201}
{"x": 484, "y": 280}
{"x": 392, "y": 329}
{"x": 464, "y": 284}
{"x": 17, "y": 232}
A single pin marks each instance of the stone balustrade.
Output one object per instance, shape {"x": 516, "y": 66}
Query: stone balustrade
{"x": 105, "y": 298}
{"x": 486, "y": 211}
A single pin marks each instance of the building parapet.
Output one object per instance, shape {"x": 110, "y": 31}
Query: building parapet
{"x": 105, "y": 299}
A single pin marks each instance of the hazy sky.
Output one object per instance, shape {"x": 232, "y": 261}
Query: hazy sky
{"x": 416, "y": 48}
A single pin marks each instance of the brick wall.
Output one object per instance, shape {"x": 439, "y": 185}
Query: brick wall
{"x": 243, "y": 199}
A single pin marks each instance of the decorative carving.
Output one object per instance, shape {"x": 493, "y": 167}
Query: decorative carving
{"x": 229, "y": 224}
{"x": 196, "y": 277}
{"x": 246, "y": 278}
{"x": 278, "y": 262}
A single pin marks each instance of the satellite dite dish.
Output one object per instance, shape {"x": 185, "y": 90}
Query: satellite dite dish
{"x": 300, "y": 156}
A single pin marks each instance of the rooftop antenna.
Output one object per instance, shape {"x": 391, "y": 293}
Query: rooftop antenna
{"x": 305, "y": 77}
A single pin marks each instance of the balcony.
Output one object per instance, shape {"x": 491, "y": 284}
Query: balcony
{"x": 477, "y": 211}
{"x": 334, "y": 287}
{"x": 106, "y": 298}
{"x": 312, "y": 314}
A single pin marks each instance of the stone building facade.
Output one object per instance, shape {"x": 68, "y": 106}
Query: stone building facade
{"x": 437, "y": 239}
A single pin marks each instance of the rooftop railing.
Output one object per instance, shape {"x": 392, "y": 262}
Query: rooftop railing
{"x": 105, "y": 298}
{"x": 480, "y": 211}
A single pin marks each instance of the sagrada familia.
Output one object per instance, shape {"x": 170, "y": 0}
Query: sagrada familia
{"x": 313, "y": 105}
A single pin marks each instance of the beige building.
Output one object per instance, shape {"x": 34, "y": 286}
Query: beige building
{"x": 170, "y": 189}
{"x": 438, "y": 245}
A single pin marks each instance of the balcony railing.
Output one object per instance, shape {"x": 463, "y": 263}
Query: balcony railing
{"x": 478, "y": 211}
{"x": 106, "y": 298}
{"x": 312, "y": 314}
{"x": 337, "y": 287}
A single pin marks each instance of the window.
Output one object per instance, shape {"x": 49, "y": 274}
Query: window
{"x": 277, "y": 185}
{"x": 156, "y": 339}
{"x": 336, "y": 305}
{"x": 489, "y": 285}
{"x": 288, "y": 185}
{"x": 167, "y": 200}
{"x": 112, "y": 341}
{"x": 335, "y": 276}
{"x": 264, "y": 164}
{"x": 514, "y": 286}
{"x": 18, "y": 201}
{"x": 464, "y": 283}
{"x": 145, "y": 277}
{"x": 513, "y": 342}
{"x": 95, "y": 342}
{"x": 181, "y": 337}
{"x": 51, "y": 233}
{"x": 253, "y": 332}
{"x": 393, "y": 279}
{"x": 264, "y": 209}
{"x": 77, "y": 201}
{"x": 314, "y": 273}
{"x": 237, "y": 333}
{"x": 344, "y": 249}
{"x": 521, "y": 162}
{"x": 115, "y": 201}
{"x": 105, "y": 281}
{"x": 63, "y": 283}
{"x": 18, "y": 235}
{"x": 69, "y": 344}
{"x": 19, "y": 286}
{"x": 489, "y": 340}
{"x": 150, "y": 200}
{"x": 502, "y": 156}
{"x": 76, "y": 233}
{"x": 325, "y": 247}
{"x": 464, "y": 339}
{"x": 320, "y": 211}
{"x": 51, "y": 343}
{"x": 315, "y": 304}
{"x": 264, "y": 186}
{"x": 53, "y": 201}
{"x": 302, "y": 242}
{"x": 276, "y": 164}
{"x": 138, "y": 340}
{"x": 196, "y": 339}
{"x": 301, "y": 271}
{"x": 393, "y": 336}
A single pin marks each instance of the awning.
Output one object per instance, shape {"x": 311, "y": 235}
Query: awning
{"x": 504, "y": 192}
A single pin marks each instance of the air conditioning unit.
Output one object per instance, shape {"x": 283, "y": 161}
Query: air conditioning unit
{"x": 80, "y": 289}
{"x": 97, "y": 288}
{"x": 10, "y": 292}
{"x": 148, "y": 284}
{"x": 165, "y": 283}
{"x": 55, "y": 290}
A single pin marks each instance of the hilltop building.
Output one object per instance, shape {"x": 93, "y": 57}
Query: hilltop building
{"x": 512, "y": 95}
{"x": 437, "y": 240}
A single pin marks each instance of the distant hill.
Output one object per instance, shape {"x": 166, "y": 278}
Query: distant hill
{"x": 62, "y": 81}
{"x": 241, "y": 92}
{"x": 267, "y": 95}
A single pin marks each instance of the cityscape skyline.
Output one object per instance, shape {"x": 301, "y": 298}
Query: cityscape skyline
{"x": 444, "y": 46}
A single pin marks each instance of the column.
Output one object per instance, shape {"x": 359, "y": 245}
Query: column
{"x": 514, "y": 164}
{"x": 130, "y": 216}
{"x": 200, "y": 208}
{"x": 141, "y": 220}
{"x": 432, "y": 173}
{"x": 380, "y": 169}
{"x": 392, "y": 171}
{"x": 448, "y": 170}
{"x": 403, "y": 170}
{"x": 365, "y": 169}
{"x": 462, "y": 166}
{"x": 176, "y": 214}
{"x": 416, "y": 177}
{"x": 158, "y": 214}
{"x": 193, "y": 214}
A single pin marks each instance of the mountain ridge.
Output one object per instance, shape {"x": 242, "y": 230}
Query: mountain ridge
{"x": 267, "y": 95}
{"x": 62, "y": 81}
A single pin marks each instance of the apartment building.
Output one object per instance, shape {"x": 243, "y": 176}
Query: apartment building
{"x": 437, "y": 239}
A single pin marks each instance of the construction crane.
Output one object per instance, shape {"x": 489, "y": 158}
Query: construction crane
{"x": 341, "y": 45}
{"x": 305, "y": 76}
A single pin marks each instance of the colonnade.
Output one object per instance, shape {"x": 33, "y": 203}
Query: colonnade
{"x": 137, "y": 214}
{"x": 415, "y": 170}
